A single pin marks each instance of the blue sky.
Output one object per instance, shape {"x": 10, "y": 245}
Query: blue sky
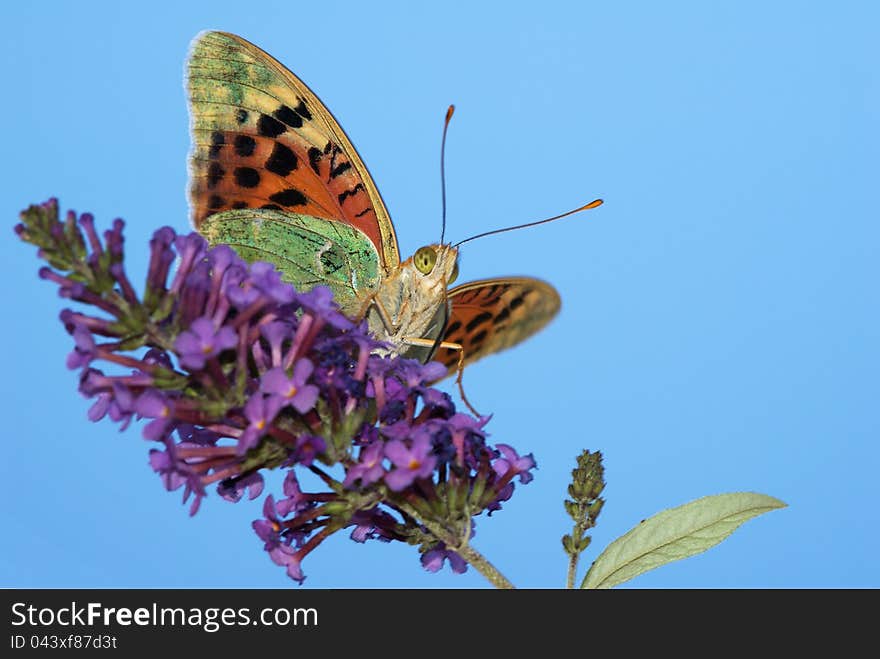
{"x": 720, "y": 325}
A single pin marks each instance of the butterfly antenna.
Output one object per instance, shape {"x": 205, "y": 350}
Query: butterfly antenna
{"x": 593, "y": 204}
{"x": 443, "y": 169}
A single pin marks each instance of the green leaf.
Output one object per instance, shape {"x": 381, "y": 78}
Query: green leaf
{"x": 675, "y": 534}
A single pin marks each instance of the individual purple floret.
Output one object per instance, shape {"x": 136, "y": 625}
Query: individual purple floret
{"x": 292, "y": 390}
{"x": 202, "y": 341}
{"x": 411, "y": 460}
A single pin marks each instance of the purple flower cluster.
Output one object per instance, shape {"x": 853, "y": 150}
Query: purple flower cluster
{"x": 237, "y": 372}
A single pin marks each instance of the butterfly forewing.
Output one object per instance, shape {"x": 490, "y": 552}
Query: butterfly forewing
{"x": 262, "y": 139}
{"x": 494, "y": 314}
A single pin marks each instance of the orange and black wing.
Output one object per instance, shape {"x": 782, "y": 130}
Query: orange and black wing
{"x": 491, "y": 315}
{"x": 262, "y": 139}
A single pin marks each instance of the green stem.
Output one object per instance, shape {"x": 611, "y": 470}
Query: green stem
{"x": 572, "y": 570}
{"x": 460, "y": 547}
{"x": 483, "y": 566}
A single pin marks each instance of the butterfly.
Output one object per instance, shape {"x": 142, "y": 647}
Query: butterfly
{"x": 273, "y": 175}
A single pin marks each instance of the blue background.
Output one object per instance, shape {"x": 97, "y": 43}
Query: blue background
{"x": 719, "y": 329}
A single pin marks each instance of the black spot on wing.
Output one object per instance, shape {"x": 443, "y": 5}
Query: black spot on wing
{"x": 350, "y": 193}
{"x": 453, "y": 327}
{"x": 239, "y": 204}
{"x": 502, "y": 315}
{"x": 216, "y": 201}
{"x": 215, "y": 174}
{"x": 489, "y": 293}
{"x": 247, "y": 177}
{"x": 289, "y": 197}
{"x": 478, "y": 320}
{"x": 288, "y": 116}
{"x": 315, "y": 159}
{"x": 271, "y": 207}
{"x": 217, "y": 143}
{"x": 245, "y": 145}
{"x": 515, "y": 303}
{"x": 477, "y": 339}
{"x": 341, "y": 168}
{"x": 269, "y": 127}
{"x": 303, "y": 111}
{"x": 282, "y": 161}
{"x": 241, "y": 116}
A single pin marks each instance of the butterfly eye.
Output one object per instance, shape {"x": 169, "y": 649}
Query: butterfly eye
{"x": 425, "y": 258}
{"x": 454, "y": 274}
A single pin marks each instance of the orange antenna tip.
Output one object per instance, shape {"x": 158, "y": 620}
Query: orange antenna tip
{"x": 449, "y": 112}
{"x": 592, "y": 204}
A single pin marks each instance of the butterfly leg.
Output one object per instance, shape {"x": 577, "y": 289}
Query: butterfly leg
{"x": 391, "y": 326}
{"x": 387, "y": 320}
{"x": 427, "y": 343}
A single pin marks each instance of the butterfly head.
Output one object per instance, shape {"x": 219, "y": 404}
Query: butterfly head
{"x": 436, "y": 263}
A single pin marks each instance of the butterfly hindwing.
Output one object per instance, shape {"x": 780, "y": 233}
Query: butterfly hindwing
{"x": 491, "y": 315}
{"x": 262, "y": 139}
{"x": 307, "y": 250}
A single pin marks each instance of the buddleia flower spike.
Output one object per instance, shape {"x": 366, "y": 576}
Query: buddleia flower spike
{"x": 236, "y": 373}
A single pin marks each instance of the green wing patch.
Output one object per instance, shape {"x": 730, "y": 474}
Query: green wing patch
{"x": 307, "y": 250}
